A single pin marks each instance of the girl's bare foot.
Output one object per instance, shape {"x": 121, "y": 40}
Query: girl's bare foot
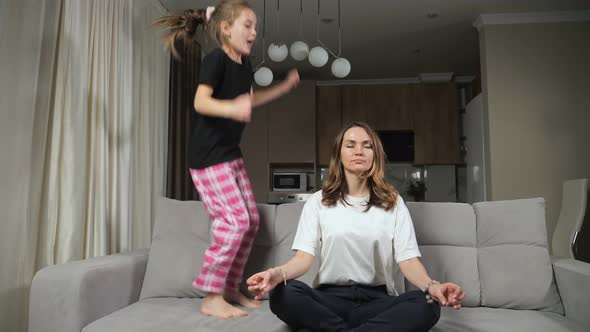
{"x": 215, "y": 305}
{"x": 234, "y": 296}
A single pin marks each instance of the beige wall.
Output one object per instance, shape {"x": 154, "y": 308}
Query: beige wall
{"x": 536, "y": 96}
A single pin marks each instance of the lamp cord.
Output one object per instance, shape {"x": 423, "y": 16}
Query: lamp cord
{"x": 318, "y": 33}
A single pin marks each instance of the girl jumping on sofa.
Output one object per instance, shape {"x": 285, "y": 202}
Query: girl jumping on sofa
{"x": 357, "y": 225}
{"x": 224, "y": 100}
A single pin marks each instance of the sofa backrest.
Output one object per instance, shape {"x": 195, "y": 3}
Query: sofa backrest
{"x": 272, "y": 246}
{"x": 286, "y": 226}
{"x": 446, "y": 235}
{"x": 182, "y": 234}
{"x": 496, "y": 251}
{"x": 513, "y": 257}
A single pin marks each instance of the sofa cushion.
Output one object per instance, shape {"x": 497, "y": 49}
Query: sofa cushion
{"x": 446, "y": 235}
{"x": 181, "y": 237}
{"x": 287, "y": 220}
{"x": 494, "y": 319}
{"x": 182, "y": 315}
{"x": 513, "y": 258}
{"x": 262, "y": 256}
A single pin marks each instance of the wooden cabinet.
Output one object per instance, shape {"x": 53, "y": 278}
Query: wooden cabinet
{"x": 282, "y": 131}
{"x": 329, "y": 120}
{"x": 430, "y": 110}
{"x": 291, "y": 126}
{"x": 382, "y": 106}
{"x": 436, "y": 125}
{"x": 254, "y": 147}
{"x": 354, "y": 103}
{"x": 391, "y": 107}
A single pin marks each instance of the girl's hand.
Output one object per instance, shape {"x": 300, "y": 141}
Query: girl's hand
{"x": 292, "y": 79}
{"x": 242, "y": 108}
{"x": 263, "y": 282}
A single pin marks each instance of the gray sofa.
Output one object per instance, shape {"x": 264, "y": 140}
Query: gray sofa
{"x": 497, "y": 251}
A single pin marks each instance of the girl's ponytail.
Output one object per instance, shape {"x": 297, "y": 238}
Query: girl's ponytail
{"x": 181, "y": 27}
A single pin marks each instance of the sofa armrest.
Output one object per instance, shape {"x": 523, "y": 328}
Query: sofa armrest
{"x": 67, "y": 297}
{"x": 573, "y": 282}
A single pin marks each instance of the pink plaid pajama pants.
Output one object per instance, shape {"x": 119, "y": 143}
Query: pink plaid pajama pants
{"x": 227, "y": 195}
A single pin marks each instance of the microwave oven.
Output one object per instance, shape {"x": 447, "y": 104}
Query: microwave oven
{"x": 289, "y": 181}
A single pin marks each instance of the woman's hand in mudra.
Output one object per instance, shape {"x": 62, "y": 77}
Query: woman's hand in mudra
{"x": 448, "y": 294}
{"x": 263, "y": 282}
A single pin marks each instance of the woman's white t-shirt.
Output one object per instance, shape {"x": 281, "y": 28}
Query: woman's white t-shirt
{"x": 356, "y": 247}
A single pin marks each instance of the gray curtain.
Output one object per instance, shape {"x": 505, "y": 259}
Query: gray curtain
{"x": 181, "y": 117}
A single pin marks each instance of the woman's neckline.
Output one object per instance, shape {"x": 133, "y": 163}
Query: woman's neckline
{"x": 357, "y": 198}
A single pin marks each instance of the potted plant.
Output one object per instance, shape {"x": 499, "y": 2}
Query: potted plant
{"x": 417, "y": 189}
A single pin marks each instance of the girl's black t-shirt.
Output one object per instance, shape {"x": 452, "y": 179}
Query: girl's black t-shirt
{"x": 216, "y": 140}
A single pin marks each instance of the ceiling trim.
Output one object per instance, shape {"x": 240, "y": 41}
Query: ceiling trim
{"x": 403, "y": 80}
{"x": 464, "y": 79}
{"x": 435, "y": 77}
{"x": 399, "y": 80}
{"x": 533, "y": 17}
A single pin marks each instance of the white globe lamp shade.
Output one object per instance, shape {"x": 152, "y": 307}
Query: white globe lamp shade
{"x": 318, "y": 56}
{"x": 263, "y": 76}
{"x": 299, "y": 50}
{"x": 278, "y": 53}
{"x": 341, "y": 67}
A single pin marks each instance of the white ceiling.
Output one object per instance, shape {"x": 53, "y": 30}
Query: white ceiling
{"x": 385, "y": 38}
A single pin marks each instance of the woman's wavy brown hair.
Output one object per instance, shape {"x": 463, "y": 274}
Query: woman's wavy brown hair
{"x": 184, "y": 27}
{"x": 382, "y": 194}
